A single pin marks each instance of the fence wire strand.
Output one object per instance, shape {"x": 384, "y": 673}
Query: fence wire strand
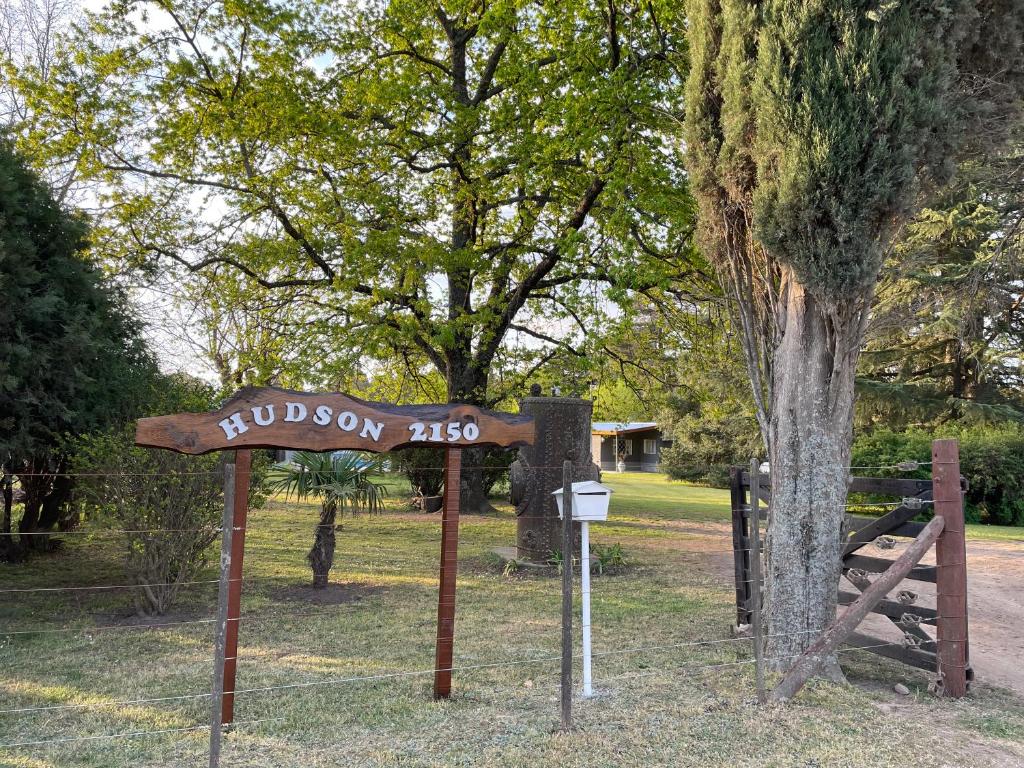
{"x": 430, "y": 671}
{"x": 131, "y": 734}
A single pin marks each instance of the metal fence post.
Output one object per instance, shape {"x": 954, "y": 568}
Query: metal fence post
{"x": 754, "y": 545}
{"x": 222, "y": 615}
{"x": 588, "y": 685}
{"x": 566, "y": 596}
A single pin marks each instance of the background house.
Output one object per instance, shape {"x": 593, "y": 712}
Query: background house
{"x": 637, "y": 443}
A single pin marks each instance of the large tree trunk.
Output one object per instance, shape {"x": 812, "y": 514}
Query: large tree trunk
{"x": 809, "y": 445}
{"x": 55, "y": 502}
{"x": 467, "y": 384}
{"x": 35, "y": 482}
{"x": 466, "y": 379}
{"x": 47, "y": 490}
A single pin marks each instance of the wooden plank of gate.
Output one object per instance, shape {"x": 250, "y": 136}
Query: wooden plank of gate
{"x": 922, "y": 638}
{"x": 893, "y": 609}
{"x": 764, "y": 483}
{"x": 889, "y": 486}
{"x": 881, "y": 526}
{"x": 449, "y": 570}
{"x": 914, "y": 657}
{"x": 908, "y": 530}
{"x": 240, "y": 516}
{"x": 951, "y": 559}
{"x": 880, "y": 565}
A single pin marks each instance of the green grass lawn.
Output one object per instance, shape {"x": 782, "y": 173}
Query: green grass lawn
{"x": 656, "y": 497}
{"x": 663, "y": 701}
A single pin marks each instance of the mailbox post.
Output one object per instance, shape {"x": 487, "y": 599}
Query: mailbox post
{"x": 589, "y": 502}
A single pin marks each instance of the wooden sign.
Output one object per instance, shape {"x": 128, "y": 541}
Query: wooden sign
{"x": 268, "y": 417}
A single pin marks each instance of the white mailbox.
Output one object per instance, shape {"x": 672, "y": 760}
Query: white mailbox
{"x": 590, "y": 501}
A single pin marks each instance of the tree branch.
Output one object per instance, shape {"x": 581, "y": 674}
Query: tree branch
{"x": 549, "y": 339}
{"x": 487, "y": 76}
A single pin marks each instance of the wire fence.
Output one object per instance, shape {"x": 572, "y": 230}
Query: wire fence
{"x": 674, "y": 656}
{"x": 901, "y": 466}
{"x": 395, "y": 675}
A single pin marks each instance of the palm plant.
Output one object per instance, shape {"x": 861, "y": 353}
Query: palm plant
{"x": 339, "y": 481}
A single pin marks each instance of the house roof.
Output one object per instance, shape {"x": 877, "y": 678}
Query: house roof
{"x": 620, "y": 427}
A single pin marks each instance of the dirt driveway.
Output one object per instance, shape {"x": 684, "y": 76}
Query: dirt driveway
{"x": 995, "y": 585}
{"x": 995, "y": 605}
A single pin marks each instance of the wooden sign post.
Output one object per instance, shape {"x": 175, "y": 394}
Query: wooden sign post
{"x": 268, "y": 417}
{"x": 449, "y": 568}
{"x": 239, "y": 519}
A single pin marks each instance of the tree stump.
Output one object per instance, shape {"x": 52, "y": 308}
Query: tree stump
{"x": 563, "y": 432}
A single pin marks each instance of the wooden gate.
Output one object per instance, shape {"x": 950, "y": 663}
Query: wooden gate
{"x": 920, "y": 648}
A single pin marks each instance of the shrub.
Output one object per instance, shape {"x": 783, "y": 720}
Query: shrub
{"x": 703, "y": 448}
{"x": 424, "y": 467}
{"x": 607, "y": 558}
{"x": 991, "y": 459}
{"x": 168, "y": 504}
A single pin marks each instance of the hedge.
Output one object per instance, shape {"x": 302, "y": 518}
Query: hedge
{"x": 991, "y": 459}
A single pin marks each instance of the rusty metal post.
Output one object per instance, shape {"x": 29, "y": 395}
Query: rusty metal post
{"x": 216, "y": 711}
{"x": 566, "y": 596}
{"x": 239, "y": 520}
{"x": 449, "y": 569}
{"x": 754, "y": 545}
{"x": 951, "y": 562}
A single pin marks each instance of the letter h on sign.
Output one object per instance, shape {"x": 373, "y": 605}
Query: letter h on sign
{"x": 233, "y": 426}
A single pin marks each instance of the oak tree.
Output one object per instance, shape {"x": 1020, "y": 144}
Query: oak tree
{"x": 429, "y": 176}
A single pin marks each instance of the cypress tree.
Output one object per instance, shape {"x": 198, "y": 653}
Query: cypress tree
{"x": 812, "y": 130}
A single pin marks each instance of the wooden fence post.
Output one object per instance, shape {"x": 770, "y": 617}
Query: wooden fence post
{"x": 567, "y": 596}
{"x": 449, "y": 569}
{"x": 951, "y": 569}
